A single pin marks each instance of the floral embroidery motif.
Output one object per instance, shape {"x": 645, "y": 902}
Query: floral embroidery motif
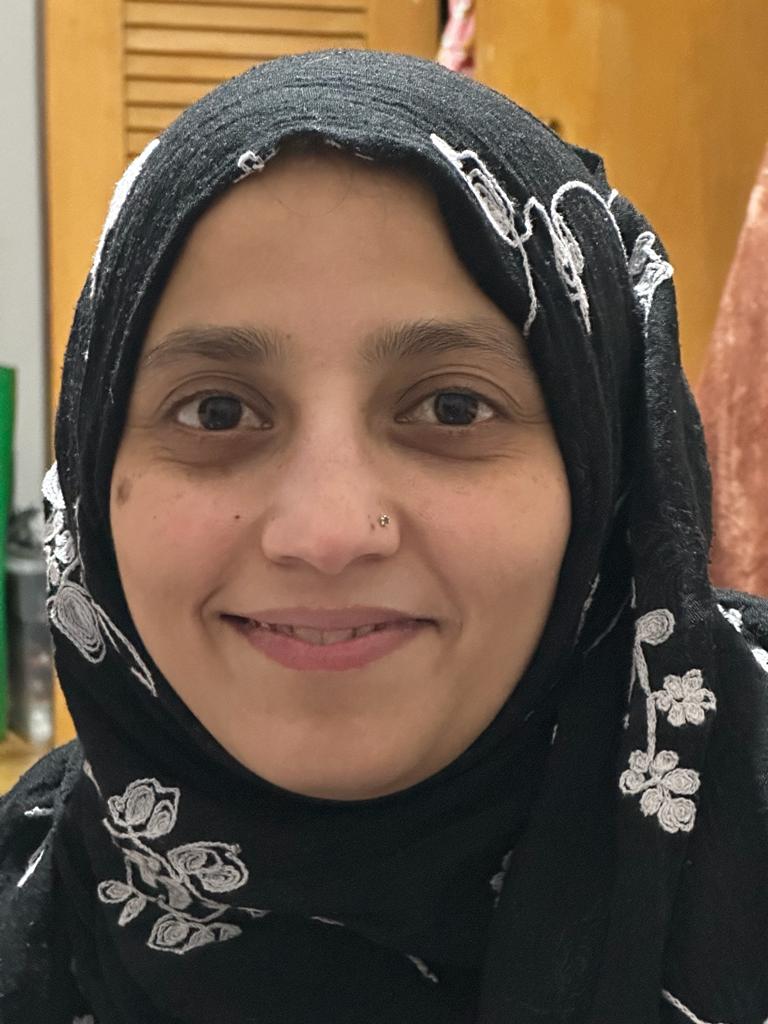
{"x": 761, "y": 657}
{"x": 174, "y": 882}
{"x": 497, "y": 882}
{"x": 249, "y": 163}
{"x": 665, "y": 787}
{"x": 686, "y": 1012}
{"x": 661, "y": 782}
{"x": 734, "y": 616}
{"x": 684, "y": 698}
{"x": 647, "y": 269}
{"x": 71, "y": 608}
{"x": 423, "y": 970}
{"x": 587, "y": 604}
{"x": 736, "y": 619}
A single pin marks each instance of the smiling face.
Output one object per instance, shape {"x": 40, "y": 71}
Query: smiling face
{"x": 320, "y": 356}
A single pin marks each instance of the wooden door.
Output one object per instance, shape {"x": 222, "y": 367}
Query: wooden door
{"x": 118, "y": 71}
{"x": 674, "y": 95}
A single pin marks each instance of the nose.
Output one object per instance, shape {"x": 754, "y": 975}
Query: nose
{"x": 326, "y": 512}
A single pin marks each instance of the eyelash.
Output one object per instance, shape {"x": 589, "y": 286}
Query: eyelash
{"x": 201, "y": 396}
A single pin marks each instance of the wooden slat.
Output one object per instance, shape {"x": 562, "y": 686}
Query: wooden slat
{"x": 254, "y": 18}
{"x": 151, "y": 119}
{"x": 228, "y": 44}
{"x": 174, "y": 68}
{"x": 155, "y": 92}
{"x": 325, "y": 5}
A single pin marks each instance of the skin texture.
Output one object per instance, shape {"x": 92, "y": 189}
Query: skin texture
{"x": 328, "y": 250}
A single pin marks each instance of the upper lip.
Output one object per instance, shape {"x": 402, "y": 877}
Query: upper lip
{"x": 330, "y": 618}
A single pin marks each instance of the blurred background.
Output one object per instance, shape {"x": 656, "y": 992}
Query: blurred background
{"x": 673, "y": 95}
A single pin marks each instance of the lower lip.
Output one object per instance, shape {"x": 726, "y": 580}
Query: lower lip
{"x": 294, "y": 653}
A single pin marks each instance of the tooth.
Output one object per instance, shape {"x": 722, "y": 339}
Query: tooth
{"x": 321, "y": 636}
{"x": 364, "y": 630}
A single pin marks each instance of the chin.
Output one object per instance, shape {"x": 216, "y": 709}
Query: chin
{"x": 342, "y": 778}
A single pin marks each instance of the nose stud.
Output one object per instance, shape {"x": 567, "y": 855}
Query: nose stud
{"x": 383, "y": 520}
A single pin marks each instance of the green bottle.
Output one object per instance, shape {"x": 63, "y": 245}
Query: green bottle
{"x": 7, "y": 395}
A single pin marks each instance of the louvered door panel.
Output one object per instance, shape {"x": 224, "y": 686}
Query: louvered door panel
{"x": 340, "y": 20}
{"x": 177, "y": 50}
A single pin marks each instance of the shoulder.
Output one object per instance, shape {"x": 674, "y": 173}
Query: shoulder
{"x": 30, "y": 809}
{"x": 29, "y": 814}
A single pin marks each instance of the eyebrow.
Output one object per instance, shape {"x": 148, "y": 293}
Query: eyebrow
{"x": 263, "y": 346}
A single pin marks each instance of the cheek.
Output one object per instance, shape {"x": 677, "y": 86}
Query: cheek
{"x": 514, "y": 543}
{"x": 172, "y": 539}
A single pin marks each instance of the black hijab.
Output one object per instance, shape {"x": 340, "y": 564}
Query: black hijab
{"x": 600, "y": 853}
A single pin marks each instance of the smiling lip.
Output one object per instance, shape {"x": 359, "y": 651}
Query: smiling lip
{"x": 293, "y": 652}
{"x": 331, "y": 618}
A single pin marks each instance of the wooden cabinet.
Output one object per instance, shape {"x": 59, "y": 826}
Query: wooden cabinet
{"x": 674, "y": 95}
{"x": 118, "y": 71}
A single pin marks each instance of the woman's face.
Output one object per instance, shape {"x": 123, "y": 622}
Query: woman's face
{"x": 246, "y": 483}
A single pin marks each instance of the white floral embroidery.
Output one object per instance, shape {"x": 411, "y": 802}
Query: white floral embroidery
{"x": 32, "y": 864}
{"x": 734, "y": 616}
{"x": 38, "y": 812}
{"x": 647, "y": 269}
{"x": 423, "y": 969}
{"x": 497, "y": 882}
{"x": 250, "y": 162}
{"x": 588, "y": 604}
{"x": 72, "y": 610}
{"x": 684, "y": 698}
{"x": 684, "y": 1009}
{"x": 736, "y": 619}
{"x": 88, "y": 770}
{"x": 665, "y": 787}
{"x": 173, "y": 882}
{"x": 662, "y": 784}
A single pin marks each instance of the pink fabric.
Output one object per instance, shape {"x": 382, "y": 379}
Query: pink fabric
{"x": 457, "y": 46}
{"x": 733, "y": 397}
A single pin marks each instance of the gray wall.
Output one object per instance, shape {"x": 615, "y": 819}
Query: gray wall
{"x": 22, "y": 287}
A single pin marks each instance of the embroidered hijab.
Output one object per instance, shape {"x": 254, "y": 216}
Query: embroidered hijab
{"x": 612, "y": 868}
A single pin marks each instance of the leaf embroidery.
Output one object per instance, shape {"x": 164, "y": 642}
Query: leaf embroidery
{"x": 71, "y": 609}
{"x": 172, "y": 882}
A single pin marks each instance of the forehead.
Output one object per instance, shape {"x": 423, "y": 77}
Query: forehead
{"x": 317, "y": 241}
{"x": 319, "y": 187}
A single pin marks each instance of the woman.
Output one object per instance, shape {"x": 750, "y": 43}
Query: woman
{"x": 366, "y": 345}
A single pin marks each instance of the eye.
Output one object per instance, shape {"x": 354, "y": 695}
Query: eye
{"x": 452, "y": 408}
{"x": 216, "y": 412}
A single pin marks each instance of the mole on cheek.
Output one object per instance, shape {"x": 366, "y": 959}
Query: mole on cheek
{"x": 123, "y": 491}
